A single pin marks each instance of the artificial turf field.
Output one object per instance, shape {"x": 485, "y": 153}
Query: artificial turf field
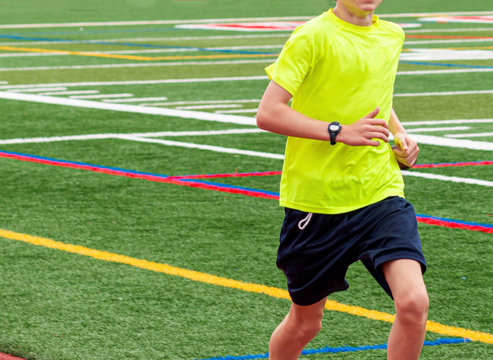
{"x": 139, "y": 215}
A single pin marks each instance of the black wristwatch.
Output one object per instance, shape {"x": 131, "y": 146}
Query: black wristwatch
{"x": 334, "y": 130}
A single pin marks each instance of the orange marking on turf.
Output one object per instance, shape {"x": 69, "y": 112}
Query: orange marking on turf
{"x": 448, "y": 37}
{"x": 212, "y": 56}
{"x": 234, "y": 284}
{"x": 81, "y": 53}
{"x": 456, "y": 48}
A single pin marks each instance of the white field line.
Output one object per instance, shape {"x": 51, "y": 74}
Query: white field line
{"x": 216, "y": 37}
{"x": 202, "y": 21}
{"x": 219, "y": 149}
{"x": 451, "y": 41}
{"x": 145, "y": 137}
{"x": 164, "y": 22}
{"x": 40, "y": 89}
{"x": 249, "y": 47}
{"x": 241, "y": 101}
{"x": 444, "y": 72}
{"x": 448, "y": 178}
{"x": 486, "y": 134}
{"x": 443, "y": 122}
{"x": 215, "y": 106}
{"x": 223, "y": 118}
{"x": 175, "y": 38}
{"x": 445, "y": 55}
{"x": 199, "y": 80}
{"x": 36, "y": 54}
{"x": 119, "y": 136}
{"x": 457, "y": 30}
{"x": 162, "y": 98}
{"x": 4, "y": 82}
{"x": 433, "y": 129}
{"x": 240, "y": 111}
{"x": 187, "y": 114}
{"x": 137, "y": 65}
{"x": 102, "y": 96}
{"x": 454, "y": 143}
{"x": 195, "y": 49}
{"x": 152, "y": 51}
{"x": 75, "y": 92}
{"x": 141, "y": 82}
{"x": 211, "y": 63}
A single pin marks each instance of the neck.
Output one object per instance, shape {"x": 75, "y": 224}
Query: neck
{"x": 353, "y": 16}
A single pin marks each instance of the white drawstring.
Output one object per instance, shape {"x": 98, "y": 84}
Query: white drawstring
{"x": 304, "y": 223}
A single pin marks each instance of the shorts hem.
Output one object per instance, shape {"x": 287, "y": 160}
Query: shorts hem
{"x": 393, "y": 257}
{"x": 317, "y": 297}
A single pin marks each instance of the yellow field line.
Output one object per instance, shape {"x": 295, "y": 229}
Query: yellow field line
{"x": 212, "y": 56}
{"x": 131, "y": 57}
{"x": 82, "y": 53}
{"x": 234, "y": 284}
{"x": 188, "y": 57}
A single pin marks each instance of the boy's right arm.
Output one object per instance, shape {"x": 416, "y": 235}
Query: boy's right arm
{"x": 275, "y": 115}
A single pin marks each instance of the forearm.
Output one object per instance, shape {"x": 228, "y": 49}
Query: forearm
{"x": 281, "y": 119}
{"x": 275, "y": 115}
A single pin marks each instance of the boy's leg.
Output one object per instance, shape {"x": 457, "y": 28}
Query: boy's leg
{"x": 406, "y": 338}
{"x": 297, "y": 329}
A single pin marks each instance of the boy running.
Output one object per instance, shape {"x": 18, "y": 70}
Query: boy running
{"x": 341, "y": 185}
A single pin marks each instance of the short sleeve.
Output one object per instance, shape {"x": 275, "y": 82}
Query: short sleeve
{"x": 294, "y": 62}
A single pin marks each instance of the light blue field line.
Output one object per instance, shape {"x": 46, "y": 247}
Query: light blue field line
{"x": 447, "y": 65}
{"x": 15, "y": 37}
{"x": 342, "y": 349}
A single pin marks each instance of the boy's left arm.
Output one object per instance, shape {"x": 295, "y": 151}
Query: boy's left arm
{"x": 406, "y": 149}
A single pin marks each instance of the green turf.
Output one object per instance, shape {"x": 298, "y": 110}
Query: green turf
{"x": 60, "y": 306}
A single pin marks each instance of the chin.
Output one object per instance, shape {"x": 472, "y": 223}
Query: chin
{"x": 369, "y": 5}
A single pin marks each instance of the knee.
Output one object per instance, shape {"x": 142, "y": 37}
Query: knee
{"x": 413, "y": 307}
{"x": 307, "y": 329}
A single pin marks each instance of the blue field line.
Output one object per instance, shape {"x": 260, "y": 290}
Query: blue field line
{"x": 490, "y": 226}
{"x": 342, "y": 349}
{"x": 208, "y": 183}
{"x": 85, "y": 164}
{"x": 424, "y": 63}
{"x": 130, "y": 44}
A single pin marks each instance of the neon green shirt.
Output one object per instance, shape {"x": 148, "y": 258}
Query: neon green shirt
{"x": 337, "y": 71}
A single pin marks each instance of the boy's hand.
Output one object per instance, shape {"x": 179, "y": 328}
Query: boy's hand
{"x": 361, "y": 132}
{"x": 406, "y": 150}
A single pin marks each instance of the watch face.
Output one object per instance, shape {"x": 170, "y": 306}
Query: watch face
{"x": 334, "y": 127}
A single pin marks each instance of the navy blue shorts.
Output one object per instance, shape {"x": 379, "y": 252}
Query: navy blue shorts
{"x": 316, "y": 250}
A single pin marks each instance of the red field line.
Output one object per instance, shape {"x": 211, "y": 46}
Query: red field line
{"x": 9, "y": 357}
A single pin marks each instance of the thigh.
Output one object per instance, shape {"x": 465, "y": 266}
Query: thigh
{"x": 405, "y": 278}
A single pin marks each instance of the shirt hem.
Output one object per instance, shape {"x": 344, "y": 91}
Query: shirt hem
{"x": 331, "y": 210}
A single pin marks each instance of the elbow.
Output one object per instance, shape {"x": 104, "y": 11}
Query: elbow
{"x": 262, "y": 119}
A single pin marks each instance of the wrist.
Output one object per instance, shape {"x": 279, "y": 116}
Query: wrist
{"x": 334, "y": 130}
